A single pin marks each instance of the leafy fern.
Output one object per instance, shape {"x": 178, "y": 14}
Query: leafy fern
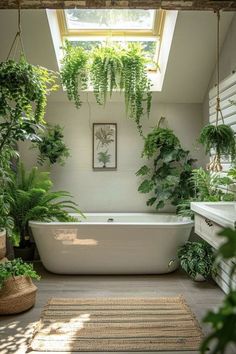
{"x": 219, "y": 138}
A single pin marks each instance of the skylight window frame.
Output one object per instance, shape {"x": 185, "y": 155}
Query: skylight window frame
{"x": 157, "y": 29}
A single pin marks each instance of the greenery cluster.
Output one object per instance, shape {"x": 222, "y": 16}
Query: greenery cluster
{"x": 51, "y": 146}
{"x": 15, "y": 268}
{"x": 23, "y": 97}
{"x": 24, "y": 89}
{"x": 223, "y": 320}
{"x": 32, "y": 199}
{"x": 168, "y": 179}
{"x": 220, "y": 140}
{"x": 106, "y": 71}
{"x": 208, "y": 187}
{"x": 74, "y": 75}
{"x": 109, "y": 67}
{"x": 196, "y": 258}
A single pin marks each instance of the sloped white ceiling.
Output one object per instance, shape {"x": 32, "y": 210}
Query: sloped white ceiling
{"x": 190, "y": 65}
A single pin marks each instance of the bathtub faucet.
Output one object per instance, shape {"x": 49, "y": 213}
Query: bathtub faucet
{"x": 110, "y": 220}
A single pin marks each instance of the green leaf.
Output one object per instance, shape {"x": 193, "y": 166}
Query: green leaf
{"x": 146, "y": 186}
{"x": 144, "y": 170}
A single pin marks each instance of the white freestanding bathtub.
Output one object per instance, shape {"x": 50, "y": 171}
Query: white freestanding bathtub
{"x": 112, "y": 243}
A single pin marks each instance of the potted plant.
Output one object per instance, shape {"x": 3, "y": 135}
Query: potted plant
{"x": 31, "y": 199}
{"x": 168, "y": 178}
{"x": 221, "y": 140}
{"x": 24, "y": 89}
{"x": 17, "y": 292}
{"x": 197, "y": 259}
{"x": 74, "y": 73}
{"x": 51, "y": 146}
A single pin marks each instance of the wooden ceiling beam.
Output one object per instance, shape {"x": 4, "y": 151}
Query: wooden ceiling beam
{"x": 121, "y": 4}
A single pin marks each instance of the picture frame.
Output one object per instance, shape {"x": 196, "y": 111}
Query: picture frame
{"x": 104, "y": 146}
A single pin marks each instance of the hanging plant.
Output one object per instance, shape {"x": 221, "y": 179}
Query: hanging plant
{"x": 24, "y": 89}
{"x": 168, "y": 179}
{"x": 136, "y": 84}
{"x": 74, "y": 73}
{"x": 51, "y": 146}
{"x": 109, "y": 67}
{"x": 220, "y": 139}
{"x": 106, "y": 71}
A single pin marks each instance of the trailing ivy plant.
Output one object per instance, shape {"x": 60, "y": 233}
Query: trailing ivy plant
{"x": 51, "y": 146}
{"x": 74, "y": 73}
{"x": 24, "y": 89}
{"x": 106, "y": 71}
{"x": 168, "y": 179}
{"x": 220, "y": 140}
{"x": 109, "y": 67}
{"x": 136, "y": 84}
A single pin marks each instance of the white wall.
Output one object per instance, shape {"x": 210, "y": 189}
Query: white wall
{"x": 227, "y": 64}
{"x": 112, "y": 190}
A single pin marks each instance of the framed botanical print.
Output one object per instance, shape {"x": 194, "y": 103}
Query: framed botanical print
{"x": 104, "y": 146}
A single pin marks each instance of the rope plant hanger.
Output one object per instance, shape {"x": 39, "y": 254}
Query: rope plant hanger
{"x": 18, "y": 38}
{"x": 218, "y": 138}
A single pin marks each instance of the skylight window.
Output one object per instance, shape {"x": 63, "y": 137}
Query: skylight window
{"x": 110, "y": 19}
{"x": 91, "y": 27}
{"x": 153, "y": 29}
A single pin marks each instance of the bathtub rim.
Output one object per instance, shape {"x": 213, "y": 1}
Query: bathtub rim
{"x": 185, "y": 222}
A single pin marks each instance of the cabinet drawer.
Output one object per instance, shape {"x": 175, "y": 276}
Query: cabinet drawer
{"x": 208, "y": 230}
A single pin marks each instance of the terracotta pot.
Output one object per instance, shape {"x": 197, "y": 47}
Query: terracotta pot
{"x": 18, "y": 294}
{"x": 2, "y": 243}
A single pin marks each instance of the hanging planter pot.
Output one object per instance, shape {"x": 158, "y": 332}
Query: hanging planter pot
{"x": 221, "y": 140}
{"x": 24, "y": 87}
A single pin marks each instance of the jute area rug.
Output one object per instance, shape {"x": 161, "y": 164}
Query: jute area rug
{"x": 117, "y": 324}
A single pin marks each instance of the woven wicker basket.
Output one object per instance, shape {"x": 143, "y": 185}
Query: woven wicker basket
{"x": 2, "y": 243}
{"x": 17, "y": 295}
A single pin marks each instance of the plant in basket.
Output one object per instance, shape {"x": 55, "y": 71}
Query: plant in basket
{"x": 17, "y": 291}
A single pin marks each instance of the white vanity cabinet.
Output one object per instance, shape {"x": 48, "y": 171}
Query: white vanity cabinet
{"x": 210, "y": 219}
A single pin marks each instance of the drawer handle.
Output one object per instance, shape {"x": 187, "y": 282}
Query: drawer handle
{"x": 209, "y": 222}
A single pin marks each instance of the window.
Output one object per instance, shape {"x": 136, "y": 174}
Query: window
{"x": 90, "y": 27}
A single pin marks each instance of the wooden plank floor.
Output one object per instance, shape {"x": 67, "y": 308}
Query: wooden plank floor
{"x": 16, "y": 330}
